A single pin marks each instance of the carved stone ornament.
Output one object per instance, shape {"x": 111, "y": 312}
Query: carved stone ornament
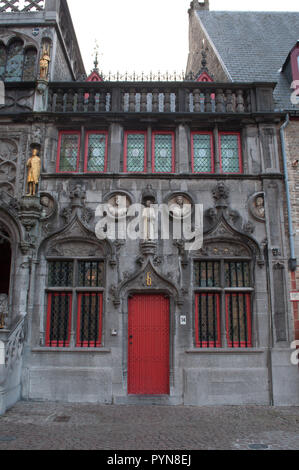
{"x": 118, "y": 205}
{"x": 257, "y": 206}
{"x": 180, "y": 207}
{"x": 221, "y": 195}
{"x": 49, "y": 206}
{"x": 8, "y": 165}
{"x": 3, "y": 310}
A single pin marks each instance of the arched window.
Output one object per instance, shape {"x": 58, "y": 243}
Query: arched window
{"x": 15, "y": 59}
{"x": 2, "y": 61}
{"x": 29, "y": 64}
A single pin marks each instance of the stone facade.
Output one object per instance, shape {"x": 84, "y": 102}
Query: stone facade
{"x": 243, "y": 225}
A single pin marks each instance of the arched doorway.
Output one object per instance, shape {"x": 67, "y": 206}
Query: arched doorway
{"x": 5, "y": 264}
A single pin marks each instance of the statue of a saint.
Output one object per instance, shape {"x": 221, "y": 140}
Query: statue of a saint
{"x": 34, "y": 169}
{"x": 118, "y": 208}
{"x": 149, "y": 221}
{"x": 3, "y": 310}
{"x": 44, "y": 62}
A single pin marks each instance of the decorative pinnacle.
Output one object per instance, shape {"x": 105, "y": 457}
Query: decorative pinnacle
{"x": 96, "y": 59}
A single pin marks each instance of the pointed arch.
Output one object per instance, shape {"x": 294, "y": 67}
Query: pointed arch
{"x": 15, "y": 59}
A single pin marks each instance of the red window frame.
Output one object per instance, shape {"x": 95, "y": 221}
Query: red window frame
{"x": 91, "y": 344}
{"x": 61, "y": 134}
{"x": 236, "y": 344}
{"x": 58, "y": 344}
{"x": 127, "y": 133}
{"x": 173, "y": 151}
{"x": 207, "y": 344}
{"x": 212, "y": 153}
{"x": 88, "y": 133}
{"x": 239, "y": 152}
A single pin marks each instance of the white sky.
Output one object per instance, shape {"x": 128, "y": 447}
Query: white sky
{"x": 145, "y": 35}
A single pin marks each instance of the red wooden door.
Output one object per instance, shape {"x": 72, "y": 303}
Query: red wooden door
{"x": 148, "y": 349}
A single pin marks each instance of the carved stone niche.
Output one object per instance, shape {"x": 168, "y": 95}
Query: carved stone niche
{"x": 256, "y": 205}
{"x": 75, "y": 249}
{"x": 118, "y": 205}
{"x": 180, "y": 206}
{"x": 8, "y": 164}
{"x": 49, "y": 205}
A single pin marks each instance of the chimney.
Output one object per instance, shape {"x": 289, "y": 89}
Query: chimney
{"x": 199, "y": 6}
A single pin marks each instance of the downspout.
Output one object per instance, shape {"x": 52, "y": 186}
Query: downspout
{"x": 292, "y": 260}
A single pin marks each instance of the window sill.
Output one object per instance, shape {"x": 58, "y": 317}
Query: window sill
{"x": 225, "y": 351}
{"x": 71, "y": 350}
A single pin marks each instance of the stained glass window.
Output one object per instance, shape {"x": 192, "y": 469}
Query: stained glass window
{"x": 238, "y": 320}
{"x": 207, "y": 274}
{"x": 230, "y": 153}
{"x": 91, "y": 274}
{"x": 15, "y": 58}
{"x": 69, "y": 151}
{"x": 135, "y": 153}
{"x": 163, "y": 153}
{"x": 207, "y": 320}
{"x": 96, "y": 152}
{"x": 202, "y": 153}
{"x": 2, "y": 62}
{"x": 60, "y": 274}
{"x": 59, "y": 312}
{"x": 237, "y": 274}
{"x": 29, "y": 65}
{"x": 89, "y": 320}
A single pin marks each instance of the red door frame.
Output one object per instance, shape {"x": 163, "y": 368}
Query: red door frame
{"x": 149, "y": 344}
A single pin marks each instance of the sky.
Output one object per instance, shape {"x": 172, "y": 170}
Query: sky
{"x": 146, "y": 35}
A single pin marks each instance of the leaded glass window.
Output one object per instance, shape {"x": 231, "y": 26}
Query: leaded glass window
{"x": 91, "y": 273}
{"x": 207, "y": 274}
{"x": 60, "y": 274}
{"x": 238, "y": 320}
{"x": 207, "y": 320}
{"x": 29, "y": 65}
{"x": 163, "y": 153}
{"x": 237, "y": 274}
{"x": 15, "y": 58}
{"x": 59, "y": 318}
{"x": 96, "y": 152}
{"x": 68, "y": 152}
{"x": 89, "y": 320}
{"x": 202, "y": 153}
{"x": 135, "y": 152}
{"x": 2, "y": 62}
{"x": 230, "y": 153}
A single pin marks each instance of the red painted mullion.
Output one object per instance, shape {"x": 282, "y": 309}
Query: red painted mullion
{"x": 235, "y": 344}
{"x": 206, "y": 344}
{"x": 61, "y": 134}
{"x": 88, "y": 133}
{"x": 239, "y": 152}
{"x": 172, "y": 151}
{"x": 144, "y": 133}
{"x": 92, "y": 344}
{"x": 212, "y": 152}
{"x": 48, "y": 328}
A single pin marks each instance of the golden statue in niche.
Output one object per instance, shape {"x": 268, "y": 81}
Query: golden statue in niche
{"x": 44, "y": 62}
{"x": 34, "y": 169}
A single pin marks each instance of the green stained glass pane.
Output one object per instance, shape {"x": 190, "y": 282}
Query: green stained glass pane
{"x": 14, "y": 67}
{"x": 69, "y": 152}
{"x": 230, "y": 154}
{"x": 202, "y": 153}
{"x": 96, "y": 152}
{"x": 163, "y": 153}
{"x": 135, "y": 153}
{"x": 207, "y": 273}
{"x": 60, "y": 274}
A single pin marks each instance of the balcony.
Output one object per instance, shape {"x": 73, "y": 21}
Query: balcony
{"x": 140, "y": 98}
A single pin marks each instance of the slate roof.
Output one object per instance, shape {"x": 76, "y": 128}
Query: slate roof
{"x": 254, "y": 46}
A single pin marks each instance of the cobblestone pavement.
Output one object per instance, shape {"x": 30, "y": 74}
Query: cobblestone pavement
{"x": 49, "y": 426}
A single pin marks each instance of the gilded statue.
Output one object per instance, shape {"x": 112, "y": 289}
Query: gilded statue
{"x": 44, "y": 62}
{"x": 34, "y": 170}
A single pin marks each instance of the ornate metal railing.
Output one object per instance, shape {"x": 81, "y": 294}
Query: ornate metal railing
{"x": 16, "y": 6}
{"x": 160, "y": 97}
